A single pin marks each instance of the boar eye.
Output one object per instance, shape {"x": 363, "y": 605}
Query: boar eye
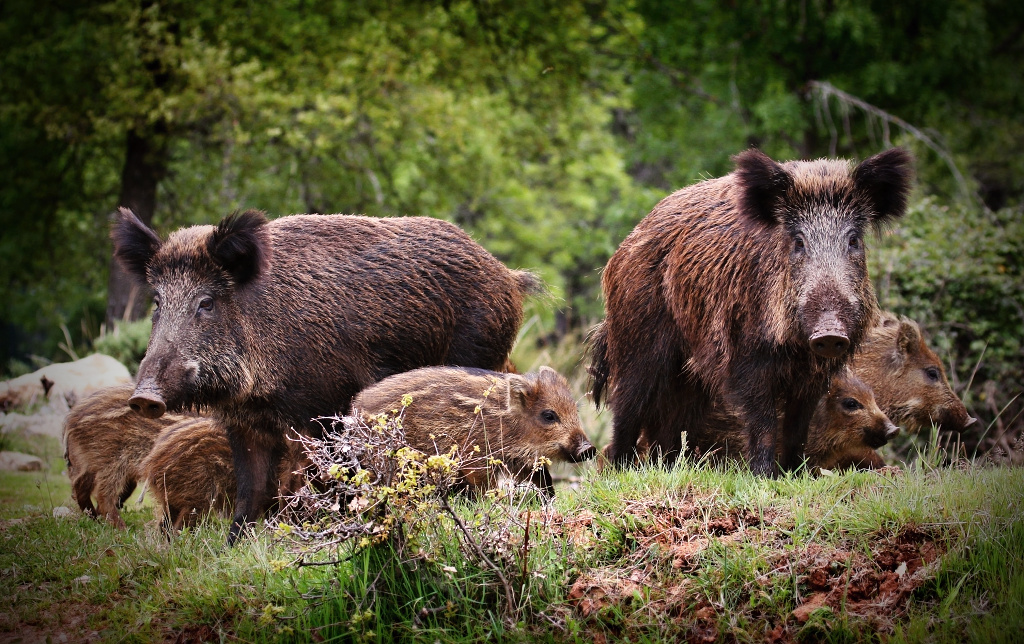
{"x": 549, "y": 416}
{"x": 932, "y": 373}
{"x": 851, "y": 404}
{"x": 798, "y": 243}
{"x": 855, "y": 242}
{"x": 205, "y": 304}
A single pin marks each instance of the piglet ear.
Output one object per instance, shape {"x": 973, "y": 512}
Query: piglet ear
{"x": 884, "y": 181}
{"x": 134, "y": 243}
{"x": 241, "y": 245}
{"x": 522, "y": 390}
{"x": 909, "y": 338}
{"x": 763, "y": 184}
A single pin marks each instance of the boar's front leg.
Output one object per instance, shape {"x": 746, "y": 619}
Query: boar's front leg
{"x": 795, "y": 423}
{"x": 255, "y": 454}
{"x": 754, "y": 397}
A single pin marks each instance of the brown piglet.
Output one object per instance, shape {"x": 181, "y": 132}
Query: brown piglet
{"x": 518, "y": 420}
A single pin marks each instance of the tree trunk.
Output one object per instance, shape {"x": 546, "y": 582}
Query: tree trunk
{"x": 144, "y": 165}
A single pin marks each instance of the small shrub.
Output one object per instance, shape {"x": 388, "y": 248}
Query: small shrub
{"x": 126, "y": 343}
{"x": 377, "y": 502}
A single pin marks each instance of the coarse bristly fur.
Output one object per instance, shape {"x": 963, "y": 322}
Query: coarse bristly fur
{"x": 908, "y": 379}
{"x": 846, "y": 428}
{"x": 269, "y": 324}
{"x": 749, "y": 289}
{"x": 516, "y": 419}
{"x": 190, "y": 473}
{"x": 105, "y": 446}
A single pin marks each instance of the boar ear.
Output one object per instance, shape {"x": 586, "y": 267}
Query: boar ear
{"x": 884, "y": 181}
{"x": 547, "y": 374}
{"x": 134, "y": 243}
{"x": 762, "y": 183}
{"x": 522, "y": 390}
{"x": 909, "y": 338}
{"x": 240, "y": 245}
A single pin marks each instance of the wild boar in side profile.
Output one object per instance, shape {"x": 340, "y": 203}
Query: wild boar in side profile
{"x": 516, "y": 419}
{"x": 907, "y": 377}
{"x": 750, "y": 290}
{"x": 105, "y": 444}
{"x": 270, "y": 324}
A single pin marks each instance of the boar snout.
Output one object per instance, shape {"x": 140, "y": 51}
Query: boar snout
{"x": 584, "y": 452}
{"x": 890, "y": 430}
{"x": 147, "y": 401}
{"x": 829, "y": 338}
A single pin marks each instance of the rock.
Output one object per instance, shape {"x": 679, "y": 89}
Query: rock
{"x": 61, "y": 384}
{"x": 48, "y": 424}
{"x": 15, "y": 461}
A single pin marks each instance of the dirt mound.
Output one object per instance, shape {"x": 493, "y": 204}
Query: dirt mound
{"x": 872, "y": 581}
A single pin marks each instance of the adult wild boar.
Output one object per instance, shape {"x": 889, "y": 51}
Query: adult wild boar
{"x": 269, "y": 324}
{"x": 907, "y": 377}
{"x": 516, "y": 419}
{"x": 752, "y": 289}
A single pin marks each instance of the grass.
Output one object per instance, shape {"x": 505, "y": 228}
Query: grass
{"x": 692, "y": 553}
{"x": 929, "y": 553}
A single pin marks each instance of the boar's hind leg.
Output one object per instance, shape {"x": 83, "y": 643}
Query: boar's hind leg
{"x": 681, "y": 407}
{"x": 255, "y": 454}
{"x": 81, "y": 491}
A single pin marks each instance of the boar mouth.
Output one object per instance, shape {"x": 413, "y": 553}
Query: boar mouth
{"x": 951, "y": 421}
{"x": 584, "y": 451}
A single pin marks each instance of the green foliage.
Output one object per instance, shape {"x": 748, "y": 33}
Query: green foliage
{"x": 957, "y": 270}
{"x": 126, "y": 343}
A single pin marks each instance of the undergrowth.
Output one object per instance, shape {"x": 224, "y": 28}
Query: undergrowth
{"x": 697, "y": 553}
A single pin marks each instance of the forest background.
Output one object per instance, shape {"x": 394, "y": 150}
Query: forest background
{"x": 545, "y": 129}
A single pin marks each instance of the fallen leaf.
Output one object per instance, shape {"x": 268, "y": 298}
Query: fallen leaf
{"x": 803, "y": 612}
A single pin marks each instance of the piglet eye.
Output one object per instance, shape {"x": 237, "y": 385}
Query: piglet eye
{"x": 206, "y": 304}
{"x": 548, "y": 416}
{"x": 851, "y": 404}
{"x": 932, "y": 373}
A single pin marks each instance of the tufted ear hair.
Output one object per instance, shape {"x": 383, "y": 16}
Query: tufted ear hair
{"x": 763, "y": 184}
{"x": 522, "y": 391}
{"x": 134, "y": 243}
{"x": 240, "y": 245}
{"x": 884, "y": 181}
{"x": 909, "y": 338}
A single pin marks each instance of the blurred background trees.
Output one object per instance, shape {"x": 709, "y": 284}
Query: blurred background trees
{"x": 546, "y": 129}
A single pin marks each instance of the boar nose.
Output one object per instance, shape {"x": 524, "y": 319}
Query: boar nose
{"x": 148, "y": 404}
{"x": 828, "y": 339}
{"x": 970, "y": 421}
{"x": 830, "y": 346}
{"x": 891, "y": 430}
{"x": 585, "y": 451}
